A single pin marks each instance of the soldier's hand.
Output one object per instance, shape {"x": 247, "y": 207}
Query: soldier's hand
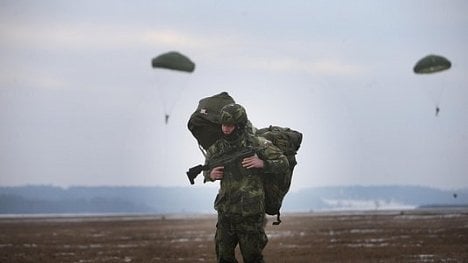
{"x": 252, "y": 162}
{"x": 217, "y": 173}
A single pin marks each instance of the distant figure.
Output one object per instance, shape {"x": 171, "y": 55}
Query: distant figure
{"x": 167, "y": 118}
{"x": 455, "y": 195}
{"x": 437, "y": 111}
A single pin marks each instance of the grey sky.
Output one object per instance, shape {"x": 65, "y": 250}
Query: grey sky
{"x": 81, "y": 105}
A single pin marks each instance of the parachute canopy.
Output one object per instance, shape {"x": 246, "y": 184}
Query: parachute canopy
{"x": 173, "y": 60}
{"x": 431, "y": 64}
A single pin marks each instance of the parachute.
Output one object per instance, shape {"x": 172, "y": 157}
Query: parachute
{"x": 428, "y": 65}
{"x": 172, "y": 70}
{"x": 431, "y": 64}
{"x": 173, "y": 60}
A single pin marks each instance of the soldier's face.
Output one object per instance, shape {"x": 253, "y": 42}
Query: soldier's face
{"x": 228, "y": 128}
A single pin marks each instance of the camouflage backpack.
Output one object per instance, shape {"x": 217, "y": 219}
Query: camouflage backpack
{"x": 204, "y": 122}
{"x": 276, "y": 188}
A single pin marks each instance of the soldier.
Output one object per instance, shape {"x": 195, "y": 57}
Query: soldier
{"x": 240, "y": 202}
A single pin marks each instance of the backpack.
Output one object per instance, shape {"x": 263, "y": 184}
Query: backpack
{"x": 276, "y": 187}
{"x": 204, "y": 124}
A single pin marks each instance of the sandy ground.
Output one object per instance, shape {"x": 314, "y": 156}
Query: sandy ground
{"x": 390, "y": 236}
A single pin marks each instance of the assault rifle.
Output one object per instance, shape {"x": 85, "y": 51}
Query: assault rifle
{"x": 225, "y": 159}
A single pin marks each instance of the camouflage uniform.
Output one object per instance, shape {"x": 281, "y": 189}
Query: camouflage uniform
{"x": 240, "y": 201}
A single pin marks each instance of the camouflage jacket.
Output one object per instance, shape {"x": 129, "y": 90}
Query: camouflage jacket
{"x": 241, "y": 190}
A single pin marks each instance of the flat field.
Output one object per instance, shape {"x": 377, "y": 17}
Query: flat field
{"x": 385, "y": 236}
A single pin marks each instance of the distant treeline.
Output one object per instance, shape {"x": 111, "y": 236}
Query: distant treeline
{"x": 105, "y": 199}
{"x": 162, "y": 200}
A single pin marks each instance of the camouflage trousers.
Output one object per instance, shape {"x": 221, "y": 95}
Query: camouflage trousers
{"x": 248, "y": 232}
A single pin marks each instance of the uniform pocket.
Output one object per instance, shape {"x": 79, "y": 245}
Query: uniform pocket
{"x": 218, "y": 202}
{"x": 252, "y": 205}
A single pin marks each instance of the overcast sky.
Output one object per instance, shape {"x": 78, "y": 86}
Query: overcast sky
{"x": 81, "y": 105}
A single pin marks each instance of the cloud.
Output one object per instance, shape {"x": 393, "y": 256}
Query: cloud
{"x": 31, "y": 77}
{"x": 177, "y": 39}
{"x": 242, "y": 51}
{"x": 66, "y": 37}
{"x": 90, "y": 36}
{"x": 321, "y": 66}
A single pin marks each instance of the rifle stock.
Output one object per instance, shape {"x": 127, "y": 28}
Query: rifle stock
{"x": 193, "y": 172}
